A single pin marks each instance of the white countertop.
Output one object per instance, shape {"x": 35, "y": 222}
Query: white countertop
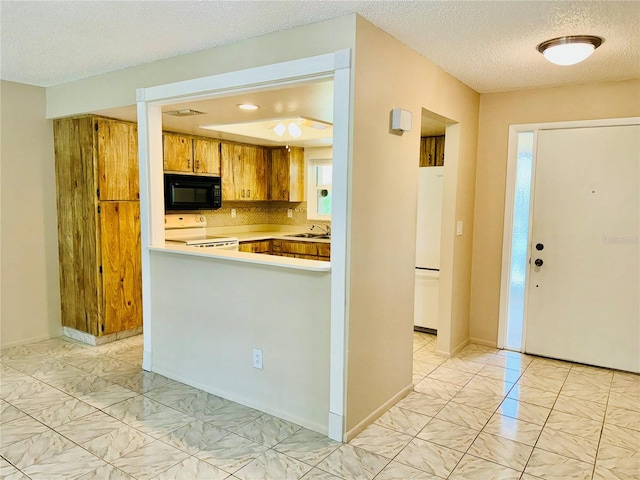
{"x": 254, "y": 233}
{"x": 246, "y": 234}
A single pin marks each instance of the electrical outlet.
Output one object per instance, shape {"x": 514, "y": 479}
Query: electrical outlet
{"x": 289, "y": 212}
{"x": 257, "y": 358}
{"x": 233, "y": 213}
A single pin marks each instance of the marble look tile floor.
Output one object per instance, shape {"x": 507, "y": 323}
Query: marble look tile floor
{"x": 71, "y": 411}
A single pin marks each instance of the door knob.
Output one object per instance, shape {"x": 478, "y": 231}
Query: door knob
{"x": 539, "y": 246}
{"x": 538, "y": 262}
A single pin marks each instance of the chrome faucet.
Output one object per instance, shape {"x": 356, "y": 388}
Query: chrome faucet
{"x": 325, "y": 228}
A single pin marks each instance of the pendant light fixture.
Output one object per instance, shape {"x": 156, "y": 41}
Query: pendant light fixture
{"x": 569, "y": 50}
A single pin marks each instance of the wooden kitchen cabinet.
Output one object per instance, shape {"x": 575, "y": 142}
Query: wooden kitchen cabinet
{"x": 177, "y": 153}
{"x": 187, "y": 154}
{"x": 439, "y": 151}
{"x": 287, "y": 175}
{"x": 296, "y": 249}
{"x": 432, "y": 151}
{"x": 244, "y": 172}
{"x": 260, "y": 246}
{"x": 98, "y": 224}
{"x": 206, "y": 156}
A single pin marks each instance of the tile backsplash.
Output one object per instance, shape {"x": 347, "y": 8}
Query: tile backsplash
{"x": 260, "y": 213}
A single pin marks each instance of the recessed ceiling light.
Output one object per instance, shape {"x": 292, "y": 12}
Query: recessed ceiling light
{"x": 569, "y": 50}
{"x": 247, "y": 106}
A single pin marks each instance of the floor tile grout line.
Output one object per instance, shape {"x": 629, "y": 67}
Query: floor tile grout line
{"x": 604, "y": 418}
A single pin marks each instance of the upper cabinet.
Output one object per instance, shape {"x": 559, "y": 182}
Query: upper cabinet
{"x": 206, "y": 156}
{"x": 117, "y": 162}
{"x": 244, "y": 172}
{"x": 186, "y": 154}
{"x": 432, "y": 151}
{"x": 287, "y": 175}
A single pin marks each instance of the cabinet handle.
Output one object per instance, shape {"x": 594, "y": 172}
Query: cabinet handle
{"x": 197, "y": 164}
{"x": 243, "y": 193}
{"x": 188, "y": 163}
{"x": 249, "y": 193}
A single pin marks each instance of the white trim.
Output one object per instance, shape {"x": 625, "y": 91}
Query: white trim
{"x": 509, "y": 200}
{"x": 373, "y": 416}
{"x": 282, "y": 73}
{"x": 340, "y": 243}
{"x": 150, "y": 99}
{"x": 316, "y": 427}
{"x": 480, "y": 341}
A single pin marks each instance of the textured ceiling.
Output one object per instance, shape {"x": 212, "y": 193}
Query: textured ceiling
{"x": 488, "y": 45}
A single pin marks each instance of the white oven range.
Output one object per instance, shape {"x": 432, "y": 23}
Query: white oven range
{"x": 191, "y": 229}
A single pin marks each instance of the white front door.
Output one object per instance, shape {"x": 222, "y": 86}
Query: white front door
{"x": 583, "y": 298}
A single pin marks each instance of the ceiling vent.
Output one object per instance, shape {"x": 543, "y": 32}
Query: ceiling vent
{"x": 184, "y": 112}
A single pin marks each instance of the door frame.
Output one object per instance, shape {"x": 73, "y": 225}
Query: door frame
{"x": 505, "y": 276}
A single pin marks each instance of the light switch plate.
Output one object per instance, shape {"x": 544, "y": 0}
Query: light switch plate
{"x": 459, "y": 228}
{"x": 289, "y": 212}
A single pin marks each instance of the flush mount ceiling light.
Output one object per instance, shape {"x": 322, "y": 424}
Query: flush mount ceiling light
{"x": 569, "y": 50}
{"x": 247, "y": 106}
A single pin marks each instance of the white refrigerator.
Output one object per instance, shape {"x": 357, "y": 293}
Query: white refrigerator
{"x": 429, "y": 218}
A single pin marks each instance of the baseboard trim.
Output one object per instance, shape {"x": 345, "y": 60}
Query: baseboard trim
{"x": 373, "y": 416}
{"x": 316, "y": 427}
{"x": 39, "y": 338}
{"x": 89, "y": 339}
{"x": 455, "y": 351}
{"x": 486, "y": 343}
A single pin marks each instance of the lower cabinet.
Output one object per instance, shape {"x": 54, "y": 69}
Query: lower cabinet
{"x": 262, "y": 246}
{"x": 289, "y": 248}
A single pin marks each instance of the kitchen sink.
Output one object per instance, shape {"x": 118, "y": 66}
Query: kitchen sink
{"x": 321, "y": 236}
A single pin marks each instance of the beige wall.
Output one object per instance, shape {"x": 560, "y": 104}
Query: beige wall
{"x": 497, "y": 112}
{"x": 117, "y": 89}
{"x": 29, "y": 273}
{"x": 383, "y": 214}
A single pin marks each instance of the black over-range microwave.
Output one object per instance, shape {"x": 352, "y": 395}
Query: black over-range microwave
{"x": 191, "y": 192}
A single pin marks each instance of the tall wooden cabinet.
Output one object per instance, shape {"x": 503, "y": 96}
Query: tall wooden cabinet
{"x": 98, "y": 224}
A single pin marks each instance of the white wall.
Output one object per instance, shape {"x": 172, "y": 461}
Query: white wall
{"x": 209, "y": 314}
{"x": 30, "y": 286}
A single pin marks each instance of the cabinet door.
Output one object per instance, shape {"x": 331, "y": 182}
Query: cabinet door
{"x": 177, "y": 153}
{"x": 296, "y": 175}
{"x": 206, "y": 156}
{"x": 78, "y": 223}
{"x": 279, "y": 177}
{"x": 121, "y": 269}
{"x": 287, "y": 175}
{"x": 231, "y": 171}
{"x": 427, "y": 152}
{"x": 254, "y": 173}
{"x": 261, "y": 246}
{"x": 117, "y": 152}
{"x": 439, "y": 141}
